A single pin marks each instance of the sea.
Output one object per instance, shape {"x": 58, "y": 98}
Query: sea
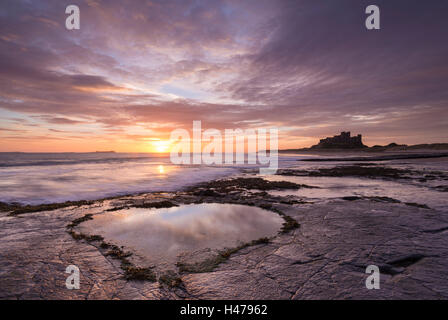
{"x": 37, "y": 178}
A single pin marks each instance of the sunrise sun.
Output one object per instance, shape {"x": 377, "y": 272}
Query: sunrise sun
{"x": 160, "y": 146}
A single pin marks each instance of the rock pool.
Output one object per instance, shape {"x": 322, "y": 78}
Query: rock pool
{"x": 161, "y": 235}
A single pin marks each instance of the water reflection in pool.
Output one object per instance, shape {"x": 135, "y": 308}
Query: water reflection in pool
{"x": 162, "y": 234}
{"x": 338, "y": 187}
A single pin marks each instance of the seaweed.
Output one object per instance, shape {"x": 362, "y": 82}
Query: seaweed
{"x": 117, "y": 252}
{"x": 289, "y": 224}
{"x": 139, "y": 273}
{"x": 352, "y": 171}
{"x": 210, "y": 264}
{"x": 131, "y": 272}
{"x": 117, "y": 208}
{"x": 156, "y": 205}
{"x": 83, "y": 236}
{"x": 171, "y": 279}
{"x": 418, "y": 205}
{"x": 76, "y": 222}
{"x": 386, "y": 199}
{"x": 237, "y": 184}
{"x": 441, "y": 188}
{"x": 9, "y": 206}
{"x": 147, "y": 205}
{"x": 368, "y": 171}
{"x": 48, "y": 207}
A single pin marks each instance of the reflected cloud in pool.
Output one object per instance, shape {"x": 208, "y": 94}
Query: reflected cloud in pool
{"x": 162, "y": 234}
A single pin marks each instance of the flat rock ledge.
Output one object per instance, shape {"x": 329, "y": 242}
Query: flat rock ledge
{"x": 326, "y": 258}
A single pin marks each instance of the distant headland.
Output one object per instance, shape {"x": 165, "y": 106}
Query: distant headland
{"x": 345, "y": 142}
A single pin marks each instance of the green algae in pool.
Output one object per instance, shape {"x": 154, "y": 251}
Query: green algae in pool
{"x": 160, "y": 235}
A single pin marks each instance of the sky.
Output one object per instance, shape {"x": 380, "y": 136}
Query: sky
{"x": 136, "y": 70}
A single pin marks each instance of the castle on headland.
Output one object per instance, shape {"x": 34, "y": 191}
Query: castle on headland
{"x": 342, "y": 141}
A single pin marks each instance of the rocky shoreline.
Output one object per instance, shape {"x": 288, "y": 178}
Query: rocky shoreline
{"x": 381, "y": 157}
{"x": 321, "y": 252}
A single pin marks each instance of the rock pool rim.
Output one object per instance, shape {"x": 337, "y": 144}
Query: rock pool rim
{"x": 133, "y": 272}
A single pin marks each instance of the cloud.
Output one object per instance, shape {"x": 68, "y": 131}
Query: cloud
{"x": 310, "y": 68}
{"x": 60, "y": 120}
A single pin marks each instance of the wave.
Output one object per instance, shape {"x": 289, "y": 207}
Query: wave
{"x": 57, "y": 162}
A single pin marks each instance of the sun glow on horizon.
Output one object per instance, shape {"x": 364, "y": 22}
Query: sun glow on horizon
{"x": 160, "y": 146}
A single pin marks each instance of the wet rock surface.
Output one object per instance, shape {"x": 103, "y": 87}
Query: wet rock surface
{"x": 324, "y": 257}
